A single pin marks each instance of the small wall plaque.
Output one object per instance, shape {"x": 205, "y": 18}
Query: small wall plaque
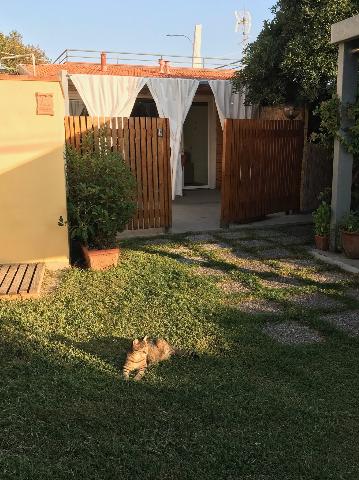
{"x": 45, "y": 103}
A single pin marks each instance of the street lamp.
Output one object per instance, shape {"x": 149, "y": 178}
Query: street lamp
{"x": 196, "y": 41}
{"x": 179, "y": 35}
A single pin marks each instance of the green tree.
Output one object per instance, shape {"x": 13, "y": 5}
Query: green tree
{"x": 292, "y": 60}
{"x": 12, "y": 44}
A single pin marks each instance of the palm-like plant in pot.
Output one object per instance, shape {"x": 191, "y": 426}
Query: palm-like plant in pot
{"x": 100, "y": 198}
{"x": 322, "y": 217}
{"x": 349, "y": 228}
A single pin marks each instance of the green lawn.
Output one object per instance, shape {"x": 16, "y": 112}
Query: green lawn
{"x": 249, "y": 407}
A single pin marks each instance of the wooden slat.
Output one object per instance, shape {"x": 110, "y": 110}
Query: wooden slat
{"x": 37, "y": 279}
{"x": 161, "y": 173}
{"x": 150, "y": 197}
{"x": 120, "y": 139}
{"x": 72, "y": 131}
{"x": 156, "y": 188}
{"x": 144, "y": 174}
{"x": 26, "y": 281}
{"x": 167, "y": 170}
{"x": 3, "y": 271}
{"x": 107, "y": 127}
{"x": 114, "y": 134}
{"x": 95, "y": 121}
{"x": 6, "y": 284}
{"x": 147, "y": 155}
{"x": 77, "y": 132}
{"x": 21, "y": 281}
{"x": 13, "y": 290}
{"x": 261, "y": 168}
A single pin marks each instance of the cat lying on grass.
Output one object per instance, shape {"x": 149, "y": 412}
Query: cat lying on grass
{"x": 146, "y": 352}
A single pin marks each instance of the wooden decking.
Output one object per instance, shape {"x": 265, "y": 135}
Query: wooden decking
{"x": 21, "y": 280}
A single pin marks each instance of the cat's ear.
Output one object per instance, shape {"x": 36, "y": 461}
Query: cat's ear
{"x": 145, "y": 338}
{"x": 135, "y": 342}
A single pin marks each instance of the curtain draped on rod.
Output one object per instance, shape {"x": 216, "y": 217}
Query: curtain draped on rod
{"x": 229, "y": 104}
{"x": 173, "y": 97}
{"x": 108, "y": 95}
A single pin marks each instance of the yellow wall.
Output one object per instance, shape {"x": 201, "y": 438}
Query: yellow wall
{"x": 32, "y": 181}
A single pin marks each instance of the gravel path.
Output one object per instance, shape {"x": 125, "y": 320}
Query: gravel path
{"x": 292, "y": 333}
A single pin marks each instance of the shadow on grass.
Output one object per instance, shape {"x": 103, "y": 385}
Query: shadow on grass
{"x": 66, "y": 412}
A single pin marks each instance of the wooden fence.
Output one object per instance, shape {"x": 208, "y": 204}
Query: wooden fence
{"x": 144, "y": 144}
{"x": 261, "y": 173}
{"x": 317, "y": 174}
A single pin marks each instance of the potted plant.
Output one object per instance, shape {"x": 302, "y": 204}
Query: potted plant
{"x": 322, "y": 225}
{"x": 349, "y": 229}
{"x": 101, "y": 199}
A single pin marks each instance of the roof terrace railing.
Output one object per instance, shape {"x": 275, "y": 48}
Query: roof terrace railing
{"x": 74, "y": 55}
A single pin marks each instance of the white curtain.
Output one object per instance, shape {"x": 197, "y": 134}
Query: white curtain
{"x": 229, "y": 104}
{"x": 76, "y": 107}
{"x": 108, "y": 95}
{"x": 173, "y": 97}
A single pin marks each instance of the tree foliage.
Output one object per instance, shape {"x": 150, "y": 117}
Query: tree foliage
{"x": 292, "y": 60}
{"x": 13, "y": 44}
{"x": 333, "y": 116}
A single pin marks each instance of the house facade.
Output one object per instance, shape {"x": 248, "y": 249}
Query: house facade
{"x": 196, "y": 101}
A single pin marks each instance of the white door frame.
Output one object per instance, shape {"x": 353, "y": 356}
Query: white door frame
{"x": 212, "y": 143}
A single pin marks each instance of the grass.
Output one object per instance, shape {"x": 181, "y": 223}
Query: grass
{"x": 248, "y": 408}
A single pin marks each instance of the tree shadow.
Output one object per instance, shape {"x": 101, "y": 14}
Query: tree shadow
{"x": 67, "y": 415}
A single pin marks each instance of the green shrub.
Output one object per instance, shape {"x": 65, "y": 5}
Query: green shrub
{"x": 350, "y": 223}
{"x": 100, "y": 193}
{"x": 322, "y": 219}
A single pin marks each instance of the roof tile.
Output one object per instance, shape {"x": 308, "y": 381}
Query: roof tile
{"x": 52, "y": 69}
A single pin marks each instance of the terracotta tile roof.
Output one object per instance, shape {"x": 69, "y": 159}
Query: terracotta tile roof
{"x": 51, "y": 69}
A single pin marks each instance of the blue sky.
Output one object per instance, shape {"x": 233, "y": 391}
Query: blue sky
{"x": 135, "y": 26}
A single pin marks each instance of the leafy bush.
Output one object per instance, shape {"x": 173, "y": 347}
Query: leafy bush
{"x": 332, "y": 114}
{"x": 350, "y": 223}
{"x": 322, "y": 219}
{"x": 100, "y": 193}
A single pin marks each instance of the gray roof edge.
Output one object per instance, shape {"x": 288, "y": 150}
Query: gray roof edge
{"x": 345, "y": 30}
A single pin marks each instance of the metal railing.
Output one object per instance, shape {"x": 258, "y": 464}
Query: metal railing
{"x": 74, "y": 55}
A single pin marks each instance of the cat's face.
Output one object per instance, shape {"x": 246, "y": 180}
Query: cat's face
{"x": 140, "y": 346}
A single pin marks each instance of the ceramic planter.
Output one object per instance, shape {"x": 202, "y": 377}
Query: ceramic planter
{"x": 322, "y": 242}
{"x": 350, "y": 244}
{"x": 100, "y": 259}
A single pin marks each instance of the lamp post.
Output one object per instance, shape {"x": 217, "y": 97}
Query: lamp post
{"x": 196, "y": 45}
{"x": 179, "y": 35}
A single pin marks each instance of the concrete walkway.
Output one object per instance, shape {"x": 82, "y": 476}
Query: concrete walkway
{"x": 337, "y": 259}
{"x": 200, "y": 211}
{"x": 196, "y": 211}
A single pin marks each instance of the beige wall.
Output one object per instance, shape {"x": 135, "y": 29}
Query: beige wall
{"x": 32, "y": 181}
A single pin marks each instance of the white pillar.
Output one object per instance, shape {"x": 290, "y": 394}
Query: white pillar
{"x": 343, "y": 161}
{"x": 197, "y": 43}
{"x": 65, "y": 90}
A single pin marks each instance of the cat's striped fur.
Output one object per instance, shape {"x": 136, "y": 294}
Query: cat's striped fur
{"x": 146, "y": 352}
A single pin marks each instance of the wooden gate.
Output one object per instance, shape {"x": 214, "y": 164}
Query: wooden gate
{"x": 261, "y": 170}
{"x": 144, "y": 144}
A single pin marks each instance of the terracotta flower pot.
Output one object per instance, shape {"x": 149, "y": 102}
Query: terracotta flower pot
{"x": 101, "y": 259}
{"x": 322, "y": 242}
{"x": 350, "y": 244}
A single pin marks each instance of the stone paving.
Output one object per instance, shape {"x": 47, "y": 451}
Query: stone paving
{"x": 292, "y": 333}
{"x": 345, "y": 321}
{"x": 256, "y": 306}
{"x": 275, "y": 253}
{"x": 264, "y": 273}
{"x": 315, "y": 301}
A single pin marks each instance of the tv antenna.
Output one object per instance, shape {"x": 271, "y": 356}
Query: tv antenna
{"x": 243, "y": 25}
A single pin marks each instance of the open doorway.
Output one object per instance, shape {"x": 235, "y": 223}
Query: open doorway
{"x": 195, "y": 147}
{"x": 199, "y": 207}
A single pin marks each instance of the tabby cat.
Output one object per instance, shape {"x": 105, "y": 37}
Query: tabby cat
{"x": 146, "y": 352}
